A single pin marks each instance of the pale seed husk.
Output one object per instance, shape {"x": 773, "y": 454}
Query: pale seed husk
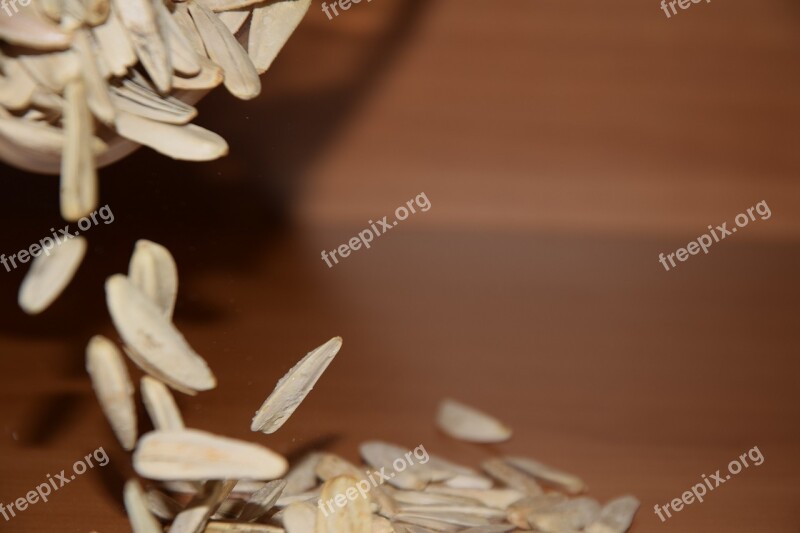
{"x": 300, "y": 517}
{"x": 50, "y": 274}
{"x": 234, "y": 20}
{"x": 354, "y": 517}
{"x": 241, "y": 77}
{"x": 148, "y": 39}
{"x": 144, "y": 329}
{"x": 272, "y": 25}
{"x": 261, "y": 501}
{"x": 232, "y": 527}
{"x": 78, "y": 171}
{"x": 616, "y": 516}
{"x": 493, "y": 528}
{"x": 382, "y": 455}
{"x": 187, "y": 142}
{"x": 331, "y": 466}
{"x": 422, "y": 523}
{"x": 39, "y": 136}
{"x": 138, "y": 513}
{"x": 511, "y": 477}
{"x": 30, "y": 28}
{"x": 162, "y": 506}
{"x": 229, "y": 5}
{"x": 467, "y": 423}
{"x": 572, "y": 514}
{"x": 302, "y": 476}
{"x": 153, "y": 270}
{"x": 194, "y": 518}
{"x": 160, "y": 405}
{"x": 473, "y": 510}
{"x": 497, "y": 498}
{"x": 194, "y": 455}
{"x": 113, "y": 387}
{"x": 183, "y": 56}
{"x": 16, "y": 85}
{"x": 96, "y": 86}
{"x": 567, "y": 482}
{"x": 292, "y": 388}
{"x": 115, "y": 45}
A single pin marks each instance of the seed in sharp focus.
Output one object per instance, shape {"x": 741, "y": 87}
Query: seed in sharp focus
{"x": 292, "y": 388}
{"x": 193, "y": 455}
{"x": 143, "y": 327}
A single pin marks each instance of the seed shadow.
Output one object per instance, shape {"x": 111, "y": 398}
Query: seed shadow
{"x": 50, "y": 416}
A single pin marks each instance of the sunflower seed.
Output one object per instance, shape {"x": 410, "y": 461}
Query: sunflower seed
{"x": 469, "y": 424}
{"x": 40, "y": 136}
{"x": 262, "y": 501}
{"x": 271, "y": 27}
{"x": 96, "y": 87}
{"x": 511, "y": 477}
{"x": 148, "y": 39}
{"x": 292, "y": 388}
{"x": 153, "y": 271}
{"x": 497, "y": 498}
{"x": 16, "y": 85}
{"x": 234, "y": 20}
{"x": 142, "y": 325}
{"x": 228, "y": 5}
{"x": 162, "y": 506}
{"x": 302, "y": 476}
{"x": 50, "y": 274}
{"x": 187, "y": 142}
{"x": 193, "y": 519}
{"x": 138, "y": 513}
{"x": 229, "y": 527}
{"x": 194, "y": 455}
{"x": 29, "y": 28}
{"x": 78, "y": 171}
{"x": 616, "y": 516}
{"x": 300, "y": 517}
{"x": 113, "y": 387}
{"x": 160, "y": 405}
{"x": 382, "y": 455}
{"x": 569, "y": 515}
{"x": 241, "y": 77}
{"x": 115, "y": 45}
{"x": 331, "y": 466}
{"x": 354, "y": 517}
{"x": 183, "y": 56}
{"x": 562, "y": 480}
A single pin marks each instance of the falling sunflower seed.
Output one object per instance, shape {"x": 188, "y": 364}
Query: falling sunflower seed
{"x": 292, "y": 388}
{"x": 114, "y": 389}
{"x": 467, "y": 423}
{"x": 50, "y": 274}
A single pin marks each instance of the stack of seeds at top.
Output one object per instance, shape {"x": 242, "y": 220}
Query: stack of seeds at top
{"x": 237, "y": 486}
{"x": 85, "y": 82}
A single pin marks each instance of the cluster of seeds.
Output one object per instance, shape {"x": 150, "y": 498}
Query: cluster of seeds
{"x": 85, "y": 82}
{"x": 199, "y": 481}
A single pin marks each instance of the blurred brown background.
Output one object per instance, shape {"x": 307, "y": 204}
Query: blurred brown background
{"x": 563, "y": 146}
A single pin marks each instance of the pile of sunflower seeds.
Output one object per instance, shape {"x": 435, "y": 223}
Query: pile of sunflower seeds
{"x": 199, "y": 481}
{"x": 85, "y": 82}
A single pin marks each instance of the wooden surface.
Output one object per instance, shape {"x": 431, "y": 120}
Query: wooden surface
{"x": 563, "y": 146}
